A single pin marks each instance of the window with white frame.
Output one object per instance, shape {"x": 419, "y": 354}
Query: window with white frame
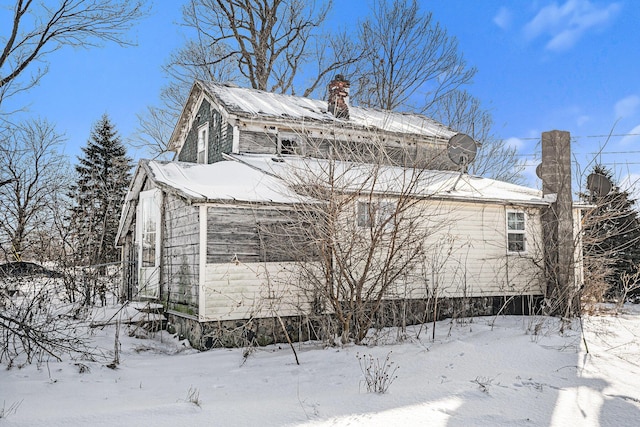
{"x": 516, "y": 235}
{"x": 369, "y": 214}
{"x": 203, "y": 142}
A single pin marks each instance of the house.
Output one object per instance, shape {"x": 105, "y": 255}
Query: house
{"x": 191, "y": 235}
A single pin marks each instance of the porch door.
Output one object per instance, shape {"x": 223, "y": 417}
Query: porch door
{"x": 148, "y": 243}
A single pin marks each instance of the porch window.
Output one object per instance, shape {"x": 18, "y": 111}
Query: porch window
{"x": 516, "y": 238}
{"x": 386, "y": 209}
{"x": 148, "y": 222}
{"x": 203, "y": 142}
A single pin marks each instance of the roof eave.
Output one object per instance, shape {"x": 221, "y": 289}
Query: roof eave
{"x": 175, "y": 141}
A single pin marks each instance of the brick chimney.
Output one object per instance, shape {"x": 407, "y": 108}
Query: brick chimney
{"x": 338, "y": 103}
{"x": 557, "y": 222}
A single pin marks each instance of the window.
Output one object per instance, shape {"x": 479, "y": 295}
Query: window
{"x": 386, "y": 211}
{"x": 375, "y": 213}
{"x": 203, "y": 142}
{"x": 289, "y": 143}
{"x": 288, "y": 146}
{"x": 516, "y": 239}
{"x": 364, "y": 214}
{"x": 148, "y": 222}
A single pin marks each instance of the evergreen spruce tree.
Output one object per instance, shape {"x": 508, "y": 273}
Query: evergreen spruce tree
{"x": 103, "y": 175}
{"x": 612, "y": 234}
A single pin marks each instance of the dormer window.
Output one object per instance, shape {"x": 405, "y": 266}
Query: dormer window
{"x": 289, "y": 146}
{"x": 203, "y": 143}
{"x": 289, "y": 143}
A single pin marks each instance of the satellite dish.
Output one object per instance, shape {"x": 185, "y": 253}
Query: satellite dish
{"x": 539, "y": 171}
{"x": 598, "y": 184}
{"x": 462, "y": 149}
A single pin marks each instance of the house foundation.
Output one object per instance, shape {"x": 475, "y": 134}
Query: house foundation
{"x": 399, "y": 313}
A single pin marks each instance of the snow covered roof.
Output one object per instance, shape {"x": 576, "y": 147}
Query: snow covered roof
{"x": 266, "y": 179}
{"x": 221, "y": 181}
{"x": 263, "y": 178}
{"x": 432, "y": 183}
{"x": 254, "y": 103}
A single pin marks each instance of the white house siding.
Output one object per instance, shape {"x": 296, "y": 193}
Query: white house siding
{"x": 180, "y": 256}
{"x": 253, "y": 290}
{"x": 467, "y": 252}
{"x": 466, "y": 256}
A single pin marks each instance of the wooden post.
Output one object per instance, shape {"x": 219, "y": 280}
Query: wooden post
{"x": 557, "y": 222}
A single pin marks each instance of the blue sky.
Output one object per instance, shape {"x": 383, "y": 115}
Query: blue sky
{"x": 568, "y": 64}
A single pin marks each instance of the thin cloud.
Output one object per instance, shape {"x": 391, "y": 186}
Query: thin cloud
{"x": 503, "y": 18}
{"x": 566, "y": 24}
{"x": 633, "y": 137}
{"x": 516, "y": 143}
{"x": 582, "y": 120}
{"x": 627, "y": 107}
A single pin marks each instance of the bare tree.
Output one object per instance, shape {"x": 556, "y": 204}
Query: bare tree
{"x": 34, "y": 329}
{"x": 411, "y": 61}
{"x": 629, "y": 285}
{"x": 37, "y": 29}
{"x": 194, "y": 61}
{"x": 412, "y": 64}
{"x": 357, "y": 232}
{"x": 266, "y": 39}
{"x": 155, "y": 126}
{"x": 29, "y": 157}
{"x": 463, "y": 112}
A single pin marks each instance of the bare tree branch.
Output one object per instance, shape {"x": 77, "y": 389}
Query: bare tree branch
{"x": 357, "y": 231}
{"x": 266, "y": 39}
{"x": 462, "y": 111}
{"x": 38, "y": 29}
{"x": 29, "y": 157}
{"x": 412, "y": 62}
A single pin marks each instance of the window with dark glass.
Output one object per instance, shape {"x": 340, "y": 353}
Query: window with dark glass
{"x": 288, "y": 146}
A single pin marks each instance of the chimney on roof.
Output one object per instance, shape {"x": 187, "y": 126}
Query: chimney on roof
{"x": 338, "y": 103}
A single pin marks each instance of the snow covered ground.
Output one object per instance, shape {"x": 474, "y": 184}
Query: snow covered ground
{"x": 485, "y": 371}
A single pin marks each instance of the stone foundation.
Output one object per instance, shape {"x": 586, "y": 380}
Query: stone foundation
{"x": 265, "y": 331}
